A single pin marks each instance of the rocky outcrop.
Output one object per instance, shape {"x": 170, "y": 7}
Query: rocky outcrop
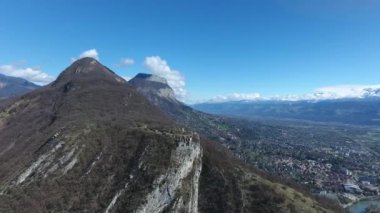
{"x": 152, "y": 85}
{"x": 174, "y": 186}
{"x": 56, "y": 157}
{"x": 179, "y": 184}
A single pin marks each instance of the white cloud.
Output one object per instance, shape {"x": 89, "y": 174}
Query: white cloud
{"x": 92, "y": 53}
{"x": 34, "y": 75}
{"x": 125, "y": 62}
{"x": 160, "y": 67}
{"x": 346, "y": 91}
{"x": 235, "y": 97}
{"x": 323, "y": 93}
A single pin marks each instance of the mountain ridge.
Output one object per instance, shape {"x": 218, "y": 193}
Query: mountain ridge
{"x": 13, "y": 86}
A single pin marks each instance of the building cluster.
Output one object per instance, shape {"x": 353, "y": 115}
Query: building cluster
{"x": 349, "y": 172}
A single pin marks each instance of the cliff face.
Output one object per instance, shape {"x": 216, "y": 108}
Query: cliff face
{"x": 177, "y": 188}
{"x": 151, "y": 170}
{"x": 152, "y": 85}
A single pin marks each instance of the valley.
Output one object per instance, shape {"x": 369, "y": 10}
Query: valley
{"x": 321, "y": 158}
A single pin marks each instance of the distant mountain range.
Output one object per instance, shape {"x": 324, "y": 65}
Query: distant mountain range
{"x": 356, "y": 111}
{"x": 12, "y": 86}
{"x": 320, "y": 94}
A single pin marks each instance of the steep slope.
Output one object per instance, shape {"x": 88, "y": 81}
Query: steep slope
{"x": 226, "y": 185}
{"x": 12, "y": 86}
{"x": 89, "y": 142}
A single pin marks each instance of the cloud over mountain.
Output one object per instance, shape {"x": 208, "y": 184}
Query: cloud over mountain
{"x": 175, "y": 79}
{"x": 92, "y": 53}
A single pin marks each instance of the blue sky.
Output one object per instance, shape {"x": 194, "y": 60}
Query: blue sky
{"x": 215, "y": 48}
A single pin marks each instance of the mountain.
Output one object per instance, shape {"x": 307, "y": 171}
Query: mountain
{"x": 184, "y": 115}
{"x": 90, "y": 142}
{"x": 152, "y": 85}
{"x": 355, "y": 111}
{"x": 12, "y": 86}
{"x": 160, "y": 94}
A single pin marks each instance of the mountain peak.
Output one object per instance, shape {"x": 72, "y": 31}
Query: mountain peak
{"x": 151, "y": 77}
{"x": 87, "y": 65}
{"x": 85, "y": 59}
{"x": 150, "y": 84}
{"x": 87, "y": 69}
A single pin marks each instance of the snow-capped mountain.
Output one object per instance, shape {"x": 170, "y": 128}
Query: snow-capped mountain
{"x": 323, "y": 93}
